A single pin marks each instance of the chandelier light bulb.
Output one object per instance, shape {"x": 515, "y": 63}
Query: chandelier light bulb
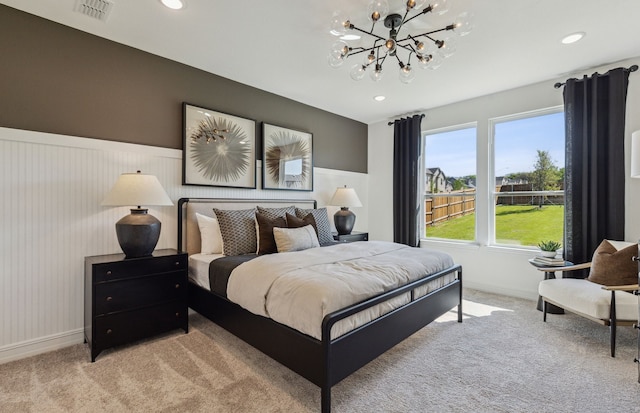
{"x": 376, "y": 75}
{"x": 371, "y": 57}
{"x": 390, "y": 44}
{"x": 357, "y": 72}
{"x": 464, "y": 24}
{"x": 421, "y": 48}
{"x": 440, "y": 7}
{"x": 406, "y": 74}
{"x": 339, "y": 24}
{"x": 377, "y": 9}
{"x": 414, "y": 4}
{"x": 423, "y": 61}
{"x": 449, "y": 46}
{"x": 435, "y": 62}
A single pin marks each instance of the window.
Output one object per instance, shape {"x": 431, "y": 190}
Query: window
{"x": 450, "y": 184}
{"x": 529, "y": 178}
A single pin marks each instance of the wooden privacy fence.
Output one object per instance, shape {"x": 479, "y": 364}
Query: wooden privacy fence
{"x": 454, "y": 204}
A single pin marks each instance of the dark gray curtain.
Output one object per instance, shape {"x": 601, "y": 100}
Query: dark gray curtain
{"x": 406, "y": 196}
{"x": 594, "y": 170}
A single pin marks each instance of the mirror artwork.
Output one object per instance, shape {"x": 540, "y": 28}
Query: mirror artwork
{"x": 287, "y": 159}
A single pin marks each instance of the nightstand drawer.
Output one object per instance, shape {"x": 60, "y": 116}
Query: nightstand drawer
{"x": 139, "y": 292}
{"x": 121, "y": 328}
{"x": 127, "y": 268}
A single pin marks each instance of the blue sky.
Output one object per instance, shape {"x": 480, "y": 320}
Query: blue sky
{"x": 516, "y": 145}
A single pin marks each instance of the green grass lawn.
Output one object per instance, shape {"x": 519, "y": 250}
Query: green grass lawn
{"x": 515, "y": 225}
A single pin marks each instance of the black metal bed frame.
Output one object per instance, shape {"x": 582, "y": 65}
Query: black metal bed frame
{"x": 326, "y": 362}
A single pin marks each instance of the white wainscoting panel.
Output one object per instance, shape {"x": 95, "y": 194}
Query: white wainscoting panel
{"x": 51, "y": 218}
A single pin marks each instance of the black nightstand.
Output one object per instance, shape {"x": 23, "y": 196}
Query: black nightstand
{"x": 354, "y": 236}
{"x": 127, "y": 299}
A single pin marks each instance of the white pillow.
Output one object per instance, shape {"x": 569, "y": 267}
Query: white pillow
{"x": 295, "y": 239}
{"x": 210, "y": 236}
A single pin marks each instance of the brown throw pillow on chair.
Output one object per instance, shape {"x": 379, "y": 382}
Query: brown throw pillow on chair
{"x": 610, "y": 266}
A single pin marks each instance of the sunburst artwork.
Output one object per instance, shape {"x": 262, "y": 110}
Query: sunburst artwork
{"x": 287, "y": 158}
{"x": 219, "y": 149}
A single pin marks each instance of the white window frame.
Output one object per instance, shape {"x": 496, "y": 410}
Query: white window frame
{"x": 492, "y": 170}
{"x": 422, "y": 182}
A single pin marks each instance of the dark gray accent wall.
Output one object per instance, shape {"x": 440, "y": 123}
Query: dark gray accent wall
{"x": 60, "y": 80}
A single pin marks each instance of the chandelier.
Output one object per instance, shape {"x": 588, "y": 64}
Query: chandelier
{"x": 429, "y": 48}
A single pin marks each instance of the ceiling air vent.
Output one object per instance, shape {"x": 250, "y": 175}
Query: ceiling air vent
{"x": 98, "y": 9}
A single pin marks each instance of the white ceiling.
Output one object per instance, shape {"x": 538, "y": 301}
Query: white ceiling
{"x": 281, "y": 46}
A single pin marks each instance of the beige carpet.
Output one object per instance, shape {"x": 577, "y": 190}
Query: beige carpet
{"x": 502, "y": 358}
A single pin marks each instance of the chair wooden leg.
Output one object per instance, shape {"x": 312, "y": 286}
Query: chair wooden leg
{"x": 544, "y": 310}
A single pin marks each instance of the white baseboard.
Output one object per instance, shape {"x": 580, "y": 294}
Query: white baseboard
{"x": 40, "y": 345}
{"x": 527, "y": 295}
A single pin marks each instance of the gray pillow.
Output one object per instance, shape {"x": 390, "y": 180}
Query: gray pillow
{"x": 325, "y": 237}
{"x": 238, "y": 230}
{"x": 272, "y": 213}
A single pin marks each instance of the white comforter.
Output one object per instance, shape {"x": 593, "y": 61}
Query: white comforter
{"x": 299, "y": 288}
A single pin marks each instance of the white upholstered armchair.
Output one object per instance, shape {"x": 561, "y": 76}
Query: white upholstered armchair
{"x": 607, "y": 295}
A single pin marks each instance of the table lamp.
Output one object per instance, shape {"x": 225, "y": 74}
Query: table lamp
{"x": 138, "y": 232}
{"x": 345, "y": 219}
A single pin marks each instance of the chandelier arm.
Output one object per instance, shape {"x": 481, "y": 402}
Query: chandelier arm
{"x": 425, "y": 11}
{"x": 426, "y": 34}
{"x": 404, "y": 20}
{"x": 366, "y": 32}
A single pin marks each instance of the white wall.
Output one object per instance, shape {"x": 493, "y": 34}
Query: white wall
{"x": 490, "y": 268}
{"x": 51, "y": 218}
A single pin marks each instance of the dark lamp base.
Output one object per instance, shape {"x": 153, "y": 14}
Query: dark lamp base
{"x": 138, "y": 233}
{"x": 344, "y": 221}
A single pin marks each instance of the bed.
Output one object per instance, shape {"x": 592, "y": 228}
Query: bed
{"x": 327, "y": 357}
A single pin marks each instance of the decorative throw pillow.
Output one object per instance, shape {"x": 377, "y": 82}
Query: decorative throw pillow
{"x": 295, "y": 239}
{"x": 238, "y": 229}
{"x": 210, "y": 237}
{"x": 276, "y": 212}
{"x": 266, "y": 242}
{"x": 295, "y": 222}
{"x": 612, "y": 266}
{"x": 325, "y": 236}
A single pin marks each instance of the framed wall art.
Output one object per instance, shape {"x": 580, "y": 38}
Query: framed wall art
{"x": 218, "y": 149}
{"x": 287, "y": 157}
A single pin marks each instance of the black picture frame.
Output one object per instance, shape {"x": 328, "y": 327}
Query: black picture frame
{"x": 219, "y": 149}
{"x": 287, "y": 158}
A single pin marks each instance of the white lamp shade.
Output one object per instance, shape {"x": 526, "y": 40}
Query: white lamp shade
{"x": 345, "y": 197}
{"x": 635, "y": 154}
{"x": 136, "y": 189}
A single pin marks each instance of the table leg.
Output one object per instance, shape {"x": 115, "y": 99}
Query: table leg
{"x": 551, "y": 309}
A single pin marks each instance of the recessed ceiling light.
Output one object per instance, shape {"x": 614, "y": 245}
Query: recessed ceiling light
{"x": 173, "y": 4}
{"x": 379, "y": 98}
{"x": 573, "y": 37}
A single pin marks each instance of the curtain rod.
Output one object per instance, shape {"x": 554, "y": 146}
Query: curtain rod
{"x": 391, "y": 123}
{"x": 630, "y": 69}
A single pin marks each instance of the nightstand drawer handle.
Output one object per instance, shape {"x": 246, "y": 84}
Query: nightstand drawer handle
{"x": 109, "y": 298}
{"x": 177, "y": 286}
{"x": 177, "y": 314}
{"x": 177, "y": 263}
{"x": 109, "y": 331}
{"x": 109, "y": 272}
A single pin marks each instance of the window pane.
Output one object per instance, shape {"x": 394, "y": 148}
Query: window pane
{"x": 450, "y": 160}
{"x": 529, "y": 156}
